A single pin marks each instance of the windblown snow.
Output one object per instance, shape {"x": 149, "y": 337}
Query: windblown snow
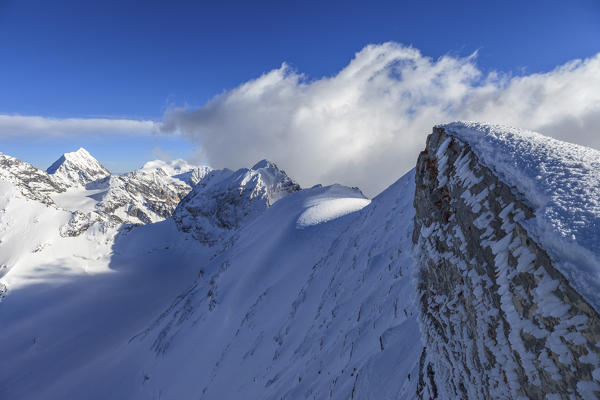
{"x": 561, "y": 181}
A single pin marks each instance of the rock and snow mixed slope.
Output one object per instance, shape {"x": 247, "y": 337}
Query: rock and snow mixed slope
{"x": 472, "y": 276}
{"x": 144, "y": 196}
{"x": 507, "y": 233}
{"x": 93, "y": 195}
{"x": 178, "y": 169}
{"x": 29, "y": 180}
{"x": 224, "y": 200}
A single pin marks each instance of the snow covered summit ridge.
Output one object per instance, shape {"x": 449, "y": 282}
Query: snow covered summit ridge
{"x": 178, "y": 169}
{"x": 78, "y": 168}
{"x": 560, "y": 180}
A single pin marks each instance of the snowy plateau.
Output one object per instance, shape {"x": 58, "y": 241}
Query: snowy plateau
{"x": 476, "y": 276}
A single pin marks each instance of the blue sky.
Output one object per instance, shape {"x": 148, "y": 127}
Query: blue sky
{"x": 134, "y": 60}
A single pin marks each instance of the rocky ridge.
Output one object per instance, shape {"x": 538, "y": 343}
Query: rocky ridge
{"x": 498, "y": 319}
{"x": 224, "y": 200}
{"x": 33, "y": 183}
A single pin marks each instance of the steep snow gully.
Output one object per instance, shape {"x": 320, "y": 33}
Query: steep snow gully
{"x": 476, "y": 275}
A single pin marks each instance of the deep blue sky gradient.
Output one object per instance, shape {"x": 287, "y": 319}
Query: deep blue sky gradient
{"x": 131, "y": 59}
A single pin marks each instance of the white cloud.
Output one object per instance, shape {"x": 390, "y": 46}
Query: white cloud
{"x": 366, "y": 125}
{"x": 35, "y": 126}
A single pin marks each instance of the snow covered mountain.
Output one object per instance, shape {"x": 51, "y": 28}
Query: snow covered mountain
{"x": 225, "y": 200}
{"x": 179, "y": 169}
{"x": 473, "y": 276}
{"x": 77, "y": 168}
{"x": 144, "y": 196}
{"x": 93, "y": 195}
{"x": 31, "y": 182}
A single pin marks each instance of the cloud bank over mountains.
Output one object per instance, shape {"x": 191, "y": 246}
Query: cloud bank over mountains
{"x": 365, "y": 125}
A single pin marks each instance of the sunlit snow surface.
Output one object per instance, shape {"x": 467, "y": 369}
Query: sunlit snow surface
{"x": 323, "y": 208}
{"x": 561, "y": 181}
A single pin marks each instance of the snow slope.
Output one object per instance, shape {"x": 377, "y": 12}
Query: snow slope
{"x": 561, "y": 181}
{"x": 313, "y": 312}
{"x": 322, "y": 209}
{"x": 33, "y": 251}
{"x": 319, "y": 310}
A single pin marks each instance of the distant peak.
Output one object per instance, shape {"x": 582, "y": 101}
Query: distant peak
{"x": 78, "y": 167}
{"x": 264, "y": 164}
{"x": 81, "y": 150}
{"x": 79, "y": 153}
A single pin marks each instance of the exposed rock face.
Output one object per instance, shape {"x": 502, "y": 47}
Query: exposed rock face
{"x": 498, "y": 319}
{"x": 140, "y": 197}
{"x": 144, "y": 196}
{"x": 33, "y": 183}
{"x": 224, "y": 200}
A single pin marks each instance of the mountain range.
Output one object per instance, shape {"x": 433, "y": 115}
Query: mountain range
{"x": 475, "y": 275}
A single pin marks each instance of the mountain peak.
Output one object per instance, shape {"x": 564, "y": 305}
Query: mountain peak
{"x": 178, "y": 169}
{"x": 82, "y": 151}
{"x": 226, "y": 200}
{"x": 264, "y": 163}
{"x": 78, "y": 167}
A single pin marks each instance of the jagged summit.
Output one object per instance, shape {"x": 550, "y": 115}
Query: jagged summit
{"x": 225, "y": 199}
{"x": 264, "y": 163}
{"x": 78, "y": 168}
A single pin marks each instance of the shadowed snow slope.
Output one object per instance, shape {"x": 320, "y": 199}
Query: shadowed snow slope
{"x": 322, "y": 311}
